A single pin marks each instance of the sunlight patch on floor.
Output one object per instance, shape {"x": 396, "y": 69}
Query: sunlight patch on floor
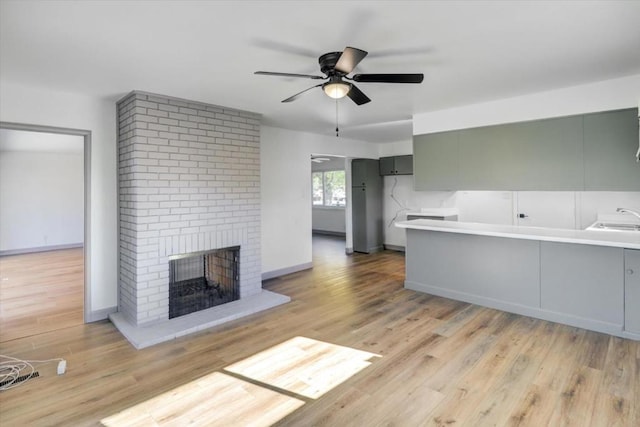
{"x": 303, "y": 366}
{"x": 213, "y": 400}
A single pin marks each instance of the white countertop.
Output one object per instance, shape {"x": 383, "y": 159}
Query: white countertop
{"x": 439, "y": 212}
{"x": 629, "y": 240}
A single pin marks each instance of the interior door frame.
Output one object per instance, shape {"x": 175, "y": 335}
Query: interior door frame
{"x": 348, "y": 193}
{"x": 86, "y": 134}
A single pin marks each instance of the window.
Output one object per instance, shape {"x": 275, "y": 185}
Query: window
{"x": 328, "y": 188}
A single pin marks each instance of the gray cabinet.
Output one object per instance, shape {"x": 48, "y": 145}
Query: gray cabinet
{"x": 387, "y": 166}
{"x": 632, "y": 291}
{"x": 610, "y": 142}
{"x": 366, "y": 206}
{"x": 435, "y": 158}
{"x": 548, "y": 154}
{"x": 537, "y": 155}
{"x": 396, "y": 165}
{"x": 583, "y": 281}
{"x": 488, "y": 158}
{"x": 362, "y": 170}
{"x": 585, "y": 152}
{"x": 588, "y": 286}
{"x": 476, "y": 269}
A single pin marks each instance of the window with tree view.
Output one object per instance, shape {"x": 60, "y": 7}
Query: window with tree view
{"x": 329, "y": 188}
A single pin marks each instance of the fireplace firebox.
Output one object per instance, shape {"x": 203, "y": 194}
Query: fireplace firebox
{"x": 203, "y": 280}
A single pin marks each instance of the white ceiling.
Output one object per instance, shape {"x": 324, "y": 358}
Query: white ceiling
{"x": 469, "y": 52}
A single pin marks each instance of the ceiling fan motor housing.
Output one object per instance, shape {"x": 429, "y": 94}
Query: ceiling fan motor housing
{"x": 328, "y": 63}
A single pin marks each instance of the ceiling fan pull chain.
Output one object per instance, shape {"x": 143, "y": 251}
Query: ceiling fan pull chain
{"x": 337, "y": 131}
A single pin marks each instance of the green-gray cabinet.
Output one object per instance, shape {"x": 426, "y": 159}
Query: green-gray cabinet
{"x": 435, "y": 161}
{"x": 537, "y": 155}
{"x": 575, "y": 153}
{"x": 585, "y": 285}
{"x": 396, "y": 165}
{"x": 488, "y": 158}
{"x": 610, "y": 142}
{"x": 632, "y": 291}
{"x": 584, "y": 281}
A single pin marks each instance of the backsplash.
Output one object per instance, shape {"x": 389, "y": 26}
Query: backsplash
{"x": 554, "y": 209}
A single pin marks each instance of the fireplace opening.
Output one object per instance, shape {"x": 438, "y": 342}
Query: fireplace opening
{"x": 203, "y": 280}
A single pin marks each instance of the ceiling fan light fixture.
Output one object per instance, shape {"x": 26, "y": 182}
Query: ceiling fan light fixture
{"x": 336, "y": 90}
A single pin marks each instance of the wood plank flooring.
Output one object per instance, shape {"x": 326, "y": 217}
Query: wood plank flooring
{"x": 437, "y": 362}
{"x": 41, "y": 292}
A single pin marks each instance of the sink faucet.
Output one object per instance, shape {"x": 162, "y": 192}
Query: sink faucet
{"x": 628, "y": 211}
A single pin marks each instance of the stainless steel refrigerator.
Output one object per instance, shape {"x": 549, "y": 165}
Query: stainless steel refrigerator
{"x": 366, "y": 196}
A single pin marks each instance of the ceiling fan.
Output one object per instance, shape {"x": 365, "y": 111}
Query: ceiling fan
{"x": 336, "y": 66}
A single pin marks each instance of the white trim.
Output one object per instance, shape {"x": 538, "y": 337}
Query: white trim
{"x": 41, "y": 249}
{"x": 86, "y": 134}
{"x": 396, "y": 248}
{"x": 101, "y": 314}
{"x": 287, "y": 270}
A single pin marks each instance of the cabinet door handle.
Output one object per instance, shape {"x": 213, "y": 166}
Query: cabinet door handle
{"x": 629, "y": 271}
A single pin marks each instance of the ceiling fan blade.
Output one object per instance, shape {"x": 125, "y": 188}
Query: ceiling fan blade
{"x": 349, "y": 59}
{"x": 388, "y": 78}
{"x": 357, "y": 96}
{"x": 305, "y": 76}
{"x": 285, "y": 47}
{"x": 294, "y": 97}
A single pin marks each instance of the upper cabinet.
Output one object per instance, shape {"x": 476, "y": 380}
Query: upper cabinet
{"x": 610, "y": 142}
{"x": 586, "y": 152}
{"x": 537, "y": 155}
{"x": 435, "y": 157}
{"x": 396, "y": 165}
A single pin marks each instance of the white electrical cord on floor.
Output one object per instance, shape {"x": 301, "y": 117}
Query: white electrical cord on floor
{"x": 11, "y": 369}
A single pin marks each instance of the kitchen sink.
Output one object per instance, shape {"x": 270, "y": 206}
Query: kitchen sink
{"x": 612, "y": 226}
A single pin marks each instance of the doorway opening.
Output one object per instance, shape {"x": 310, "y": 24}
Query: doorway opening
{"x": 44, "y": 229}
{"x": 330, "y": 208}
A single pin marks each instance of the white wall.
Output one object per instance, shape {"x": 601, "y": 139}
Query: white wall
{"x": 554, "y": 209}
{"x": 41, "y": 199}
{"x": 22, "y": 104}
{"x": 601, "y": 96}
{"x": 286, "y": 191}
{"x": 398, "y": 148}
{"x": 329, "y": 219}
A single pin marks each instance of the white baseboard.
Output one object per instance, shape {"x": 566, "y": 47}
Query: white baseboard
{"x": 395, "y": 248}
{"x": 329, "y": 233}
{"x": 41, "y": 249}
{"x": 101, "y": 314}
{"x": 287, "y": 270}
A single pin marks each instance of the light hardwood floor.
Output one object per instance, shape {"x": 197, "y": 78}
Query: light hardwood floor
{"x": 419, "y": 360}
{"x": 41, "y": 292}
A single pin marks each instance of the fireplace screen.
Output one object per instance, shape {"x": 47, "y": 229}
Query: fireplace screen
{"x": 203, "y": 280}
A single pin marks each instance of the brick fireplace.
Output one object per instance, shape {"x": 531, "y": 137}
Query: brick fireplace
{"x": 189, "y": 181}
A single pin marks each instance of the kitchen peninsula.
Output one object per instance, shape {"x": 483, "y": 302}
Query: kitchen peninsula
{"x": 588, "y": 279}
